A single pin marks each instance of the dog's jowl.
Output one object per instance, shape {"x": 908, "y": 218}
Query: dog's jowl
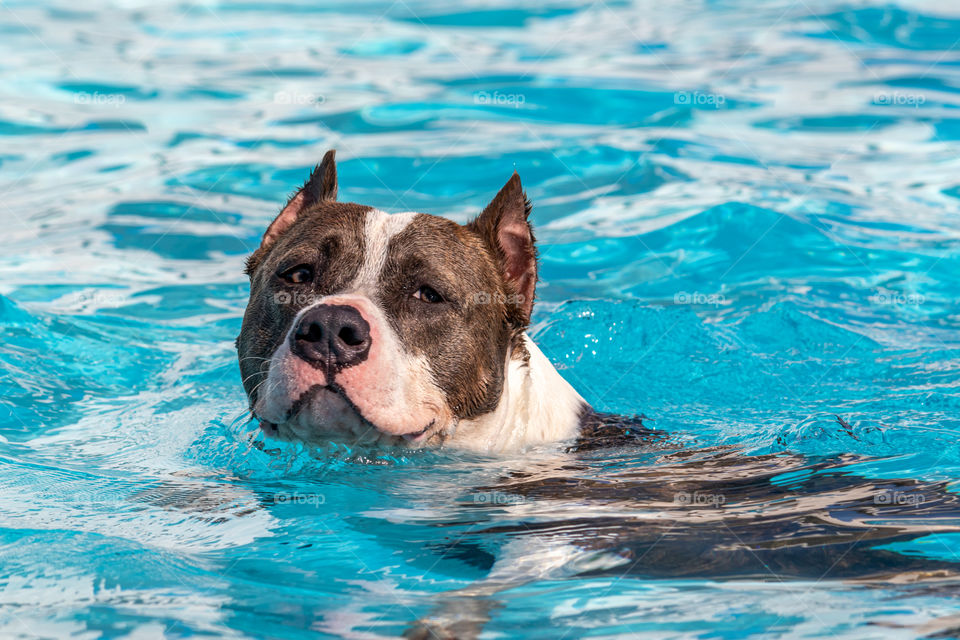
{"x": 404, "y": 329}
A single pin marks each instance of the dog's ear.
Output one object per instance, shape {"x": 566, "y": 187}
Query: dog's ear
{"x": 505, "y": 227}
{"x": 320, "y": 187}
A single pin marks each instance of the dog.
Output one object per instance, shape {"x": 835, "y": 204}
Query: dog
{"x": 403, "y": 329}
{"x": 410, "y": 330}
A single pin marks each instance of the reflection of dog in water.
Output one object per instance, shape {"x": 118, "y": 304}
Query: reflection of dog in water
{"x": 711, "y": 514}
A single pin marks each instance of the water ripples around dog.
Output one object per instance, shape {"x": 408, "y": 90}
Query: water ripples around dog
{"x": 748, "y": 224}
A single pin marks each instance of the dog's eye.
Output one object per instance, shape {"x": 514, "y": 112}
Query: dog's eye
{"x": 299, "y": 274}
{"x": 427, "y": 294}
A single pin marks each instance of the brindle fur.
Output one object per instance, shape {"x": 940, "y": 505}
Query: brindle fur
{"x": 330, "y": 239}
{"x": 465, "y": 338}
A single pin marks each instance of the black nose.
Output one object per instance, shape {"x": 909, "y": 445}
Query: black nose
{"x": 332, "y": 337}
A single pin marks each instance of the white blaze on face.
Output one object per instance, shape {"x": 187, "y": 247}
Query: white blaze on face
{"x": 379, "y": 228}
{"x": 392, "y": 390}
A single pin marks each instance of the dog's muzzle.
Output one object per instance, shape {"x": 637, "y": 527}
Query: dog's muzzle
{"x": 332, "y": 338}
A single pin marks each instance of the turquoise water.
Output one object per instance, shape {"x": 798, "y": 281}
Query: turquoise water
{"x": 748, "y": 216}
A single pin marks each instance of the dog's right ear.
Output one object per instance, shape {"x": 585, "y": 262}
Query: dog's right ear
{"x": 320, "y": 187}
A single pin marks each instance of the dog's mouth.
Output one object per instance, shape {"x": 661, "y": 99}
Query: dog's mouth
{"x": 347, "y": 422}
{"x": 421, "y": 436}
{"x": 269, "y": 428}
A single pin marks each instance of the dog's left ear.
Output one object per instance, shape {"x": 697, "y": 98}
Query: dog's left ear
{"x": 505, "y": 227}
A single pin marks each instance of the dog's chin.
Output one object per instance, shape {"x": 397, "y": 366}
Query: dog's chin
{"x": 324, "y": 414}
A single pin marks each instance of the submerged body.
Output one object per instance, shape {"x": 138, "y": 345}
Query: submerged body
{"x": 638, "y": 506}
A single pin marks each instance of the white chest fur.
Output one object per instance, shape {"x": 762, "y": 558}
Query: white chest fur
{"x": 537, "y": 406}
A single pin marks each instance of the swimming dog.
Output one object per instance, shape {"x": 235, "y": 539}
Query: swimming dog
{"x": 411, "y": 330}
{"x": 400, "y": 329}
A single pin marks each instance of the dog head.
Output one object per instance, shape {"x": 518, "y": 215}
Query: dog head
{"x": 374, "y": 328}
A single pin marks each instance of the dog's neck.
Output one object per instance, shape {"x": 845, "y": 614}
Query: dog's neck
{"x": 536, "y": 406}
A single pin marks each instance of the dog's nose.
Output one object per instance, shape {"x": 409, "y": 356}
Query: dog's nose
{"x": 333, "y": 337}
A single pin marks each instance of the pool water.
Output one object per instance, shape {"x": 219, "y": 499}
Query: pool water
{"x": 748, "y": 217}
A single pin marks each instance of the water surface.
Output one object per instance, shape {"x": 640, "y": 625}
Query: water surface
{"x": 748, "y": 216}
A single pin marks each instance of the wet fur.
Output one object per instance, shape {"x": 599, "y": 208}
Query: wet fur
{"x": 828, "y": 522}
